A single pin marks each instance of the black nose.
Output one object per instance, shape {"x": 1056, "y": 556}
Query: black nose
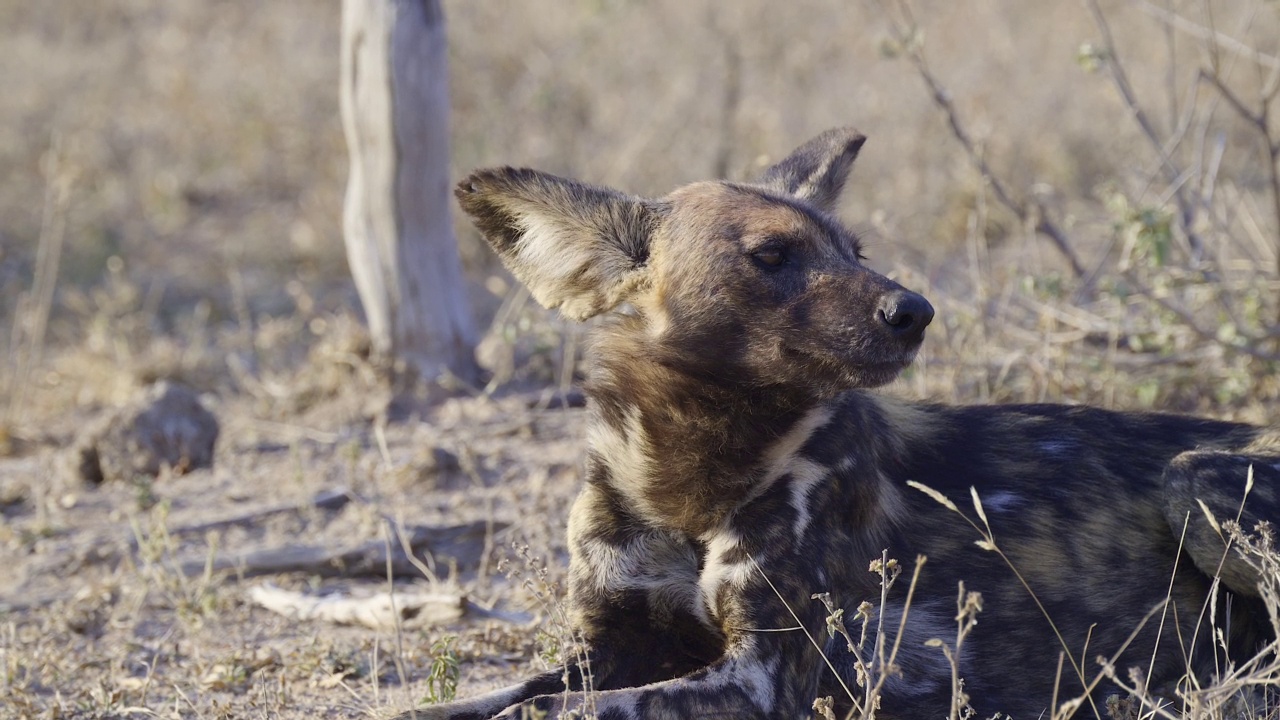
{"x": 905, "y": 314}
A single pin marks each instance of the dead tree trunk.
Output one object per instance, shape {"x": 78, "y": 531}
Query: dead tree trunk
{"x": 396, "y": 219}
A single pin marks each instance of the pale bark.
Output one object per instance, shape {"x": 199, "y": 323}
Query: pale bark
{"x": 396, "y": 220}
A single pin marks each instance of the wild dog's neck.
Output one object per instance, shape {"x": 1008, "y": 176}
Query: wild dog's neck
{"x": 683, "y": 447}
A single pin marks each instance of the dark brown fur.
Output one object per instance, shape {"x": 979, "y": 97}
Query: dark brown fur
{"x": 737, "y": 465}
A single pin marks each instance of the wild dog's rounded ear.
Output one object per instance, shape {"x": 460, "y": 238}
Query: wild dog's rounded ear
{"x": 577, "y": 247}
{"x": 816, "y": 171}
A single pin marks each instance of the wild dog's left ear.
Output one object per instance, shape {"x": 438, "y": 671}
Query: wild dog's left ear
{"x": 816, "y": 171}
{"x": 577, "y": 247}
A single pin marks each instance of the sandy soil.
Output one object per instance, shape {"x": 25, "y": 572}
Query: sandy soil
{"x": 97, "y": 618}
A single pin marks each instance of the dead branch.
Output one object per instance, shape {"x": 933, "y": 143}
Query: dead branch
{"x": 324, "y": 500}
{"x": 1250, "y": 348}
{"x": 101, "y": 548}
{"x": 1208, "y": 35}
{"x": 380, "y": 611}
{"x": 1029, "y": 212}
{"x": 460, "y": 545}
{"x": 1173, "y": 174}
{"x": 1260, "y": 121}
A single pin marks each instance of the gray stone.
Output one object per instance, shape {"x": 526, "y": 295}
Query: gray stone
{"x": 166, "y": 426}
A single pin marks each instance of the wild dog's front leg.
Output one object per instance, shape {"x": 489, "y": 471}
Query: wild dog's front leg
{"x": 752, "y": 682}
{"x": 633, "y": 596}
{"x": 633, "y": 591}
{"x": 754, "y": 589}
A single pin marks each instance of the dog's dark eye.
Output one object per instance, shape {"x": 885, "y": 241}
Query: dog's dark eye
{"x": 770, "y": 257}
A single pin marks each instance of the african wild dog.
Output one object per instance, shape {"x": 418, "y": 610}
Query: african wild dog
{"x": 737, "y": 464}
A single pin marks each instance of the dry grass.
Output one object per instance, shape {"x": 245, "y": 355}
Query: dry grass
{"x": 186, "y": 159}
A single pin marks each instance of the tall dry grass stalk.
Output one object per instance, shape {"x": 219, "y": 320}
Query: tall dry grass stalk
{"x": 1242, "y": 688}
{"x": 31, "y": 321}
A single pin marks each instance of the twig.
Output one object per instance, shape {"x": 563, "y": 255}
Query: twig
{"x": 1214, "y": 37}
{"x": 295, "y": 431}
{"x": 426, "y": 568}
{"x": 1186, "y": 210}
{"x": 887, "y": 664}
{"x": 59, "y": 180}
{"x": 730, "y": 101}
{"x": 1030, "y": 213}
{"x": 463, "y": 543}
{"x": 1260, "y": 121}
{"x": 324, "y": 500}
{"x": 988, "y": 543}
{"x": 397, "y": 612}
{"x": 1189, "y": 320}
{"x": 839, "y": 678}
{"x": 390, "y": 610}
{"x": 1255, "y": 119}
{"x": 110, "y": 547}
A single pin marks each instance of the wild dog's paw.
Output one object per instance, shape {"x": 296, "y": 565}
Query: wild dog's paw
{"x": 432, "y": 712}
{"x": 556, "y": 707}
{"x": 463, "y": 710}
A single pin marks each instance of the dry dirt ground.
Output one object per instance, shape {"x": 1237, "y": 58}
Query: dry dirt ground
{"x": 187, "y": 157}
{"x": 106, "y": 609}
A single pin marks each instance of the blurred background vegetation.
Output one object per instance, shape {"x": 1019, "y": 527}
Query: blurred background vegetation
{"x": 189, "y": 158}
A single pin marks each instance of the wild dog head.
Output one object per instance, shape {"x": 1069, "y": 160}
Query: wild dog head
{"x": 743, "y": 283}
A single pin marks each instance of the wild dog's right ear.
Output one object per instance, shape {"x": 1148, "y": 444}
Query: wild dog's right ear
{"x": 577, "y": 247}
{"x": 816, "y": 171}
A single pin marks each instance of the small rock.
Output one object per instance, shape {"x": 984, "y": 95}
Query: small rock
{"x": 166, "y": 427}
{"x": 440, "y": 461}
{"x": 436, "y": 466}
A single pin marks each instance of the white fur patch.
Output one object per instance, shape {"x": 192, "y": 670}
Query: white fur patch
{"x": 757, "y": 678}
{"x": 745, "y": 669}
{"x": 611, "y": 567}
{"x": 718, "y": 571}
{"x": 574, "y": 268}
{"x": 662, "y": 566}
{"x": 629, "y": 456}
{"x": 1003, "y": 501}
{"x": 779, "y": 455}
{"x": 1059, "y": 447}
{"x": 782, "y": 458}
{"x": 805, "y": 475}
{"x": 649, "y": 563}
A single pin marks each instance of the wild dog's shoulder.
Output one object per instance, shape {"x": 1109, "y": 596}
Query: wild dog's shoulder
{"x": 878, "y": 427}
{"x": 832, "y": 476}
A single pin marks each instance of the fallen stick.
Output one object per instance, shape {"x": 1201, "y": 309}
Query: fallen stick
{"x": 380, "y": 611}
{"x": 324, "y": 500}
{"x": 74, "y": 553}
{"x": 460, "y": 545}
